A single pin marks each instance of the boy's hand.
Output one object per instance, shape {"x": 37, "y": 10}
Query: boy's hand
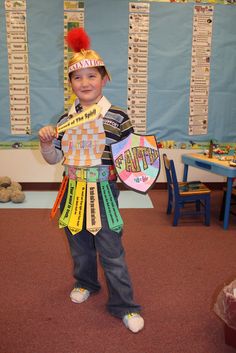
{"x": 47, "y": 134}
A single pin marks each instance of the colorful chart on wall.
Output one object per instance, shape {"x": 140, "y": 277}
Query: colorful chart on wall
{"x": 172, "y": 66}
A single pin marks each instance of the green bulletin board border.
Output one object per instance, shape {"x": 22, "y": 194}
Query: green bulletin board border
{"x": 211, "y": 2}
{"x": 169, "y": 144}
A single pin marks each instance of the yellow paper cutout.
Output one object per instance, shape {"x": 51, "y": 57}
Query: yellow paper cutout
{"x": 75, "y": 224}
{"x": 87, "y": 115}
{"x": 93, "y": 218}
{"x": 65, "y": 216}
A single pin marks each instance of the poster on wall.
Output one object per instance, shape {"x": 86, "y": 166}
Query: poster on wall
{"x": 73, "y": 18}
{"x": 138, "y": 65}
{"x": 200, "y": 69}
{"x": 18, "y": 67}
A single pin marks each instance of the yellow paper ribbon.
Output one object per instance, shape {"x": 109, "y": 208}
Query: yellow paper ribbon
{"x": 75, "y": 224}
{"x": 87, "y": 115}
{"x": 65, "y": 216}
{"x": 93, "y": 218}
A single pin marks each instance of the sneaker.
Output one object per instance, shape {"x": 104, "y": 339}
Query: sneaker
{"x": 79, "y": 295}
{"x": 134, "y": 322}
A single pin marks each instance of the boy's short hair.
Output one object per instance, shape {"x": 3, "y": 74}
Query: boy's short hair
{"x": 102, "y": 70}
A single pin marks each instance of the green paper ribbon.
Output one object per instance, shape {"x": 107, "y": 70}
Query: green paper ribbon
{"x": 115, "y": 221}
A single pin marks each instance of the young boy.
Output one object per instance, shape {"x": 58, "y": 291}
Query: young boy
{"x": 88, "y": 76}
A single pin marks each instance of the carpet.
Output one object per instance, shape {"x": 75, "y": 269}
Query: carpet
{"x": 45, "y": 199}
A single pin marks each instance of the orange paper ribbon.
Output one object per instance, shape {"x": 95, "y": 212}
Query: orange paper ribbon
{"x": 60, "y": 194}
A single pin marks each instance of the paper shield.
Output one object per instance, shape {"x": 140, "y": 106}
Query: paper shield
{"x": 137, "y": 161}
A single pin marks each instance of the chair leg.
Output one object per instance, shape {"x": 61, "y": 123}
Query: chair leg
{"x": 222, "y": 208}
{"x": 169, "y": 206}
{"x": 198, "y": 205}
{"x": 207, "y": 211}
{"x": 176, "y": 215}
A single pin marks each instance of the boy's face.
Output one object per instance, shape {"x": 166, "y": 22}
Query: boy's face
{"x": 87, "y": 84}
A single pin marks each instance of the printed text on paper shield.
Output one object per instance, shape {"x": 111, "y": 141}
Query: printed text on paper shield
{"x": 137, "y": 161}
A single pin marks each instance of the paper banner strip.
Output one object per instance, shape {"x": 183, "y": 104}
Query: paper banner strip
{"x": 18, "y": 66}
{"x": 93, "y": 218}
{"x": 74, "y": 12}
{"x": 87, "y": 115}
{"x": 65, "y": 216}
{"x": 200, "y": 69}
{"x": 113, "y": 215}
{"x": 76, "y": 220}
{"x": 60, "y": 194}
{"x": 138, "y": 43}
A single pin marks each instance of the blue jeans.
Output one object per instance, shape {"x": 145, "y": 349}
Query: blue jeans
{"x": 84, "y": 248}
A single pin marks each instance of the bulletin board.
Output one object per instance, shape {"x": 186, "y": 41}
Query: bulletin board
{"x": 157, "y": 91}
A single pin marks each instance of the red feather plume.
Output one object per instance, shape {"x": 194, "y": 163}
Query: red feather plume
{"x": 78, "y": 39}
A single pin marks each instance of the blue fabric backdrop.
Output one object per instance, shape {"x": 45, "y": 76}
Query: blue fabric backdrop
{"x": 169, "y": 66}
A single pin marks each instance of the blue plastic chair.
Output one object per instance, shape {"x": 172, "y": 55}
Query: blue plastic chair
{"x": 182, "y": 193}
{"x": 232, "y": 203}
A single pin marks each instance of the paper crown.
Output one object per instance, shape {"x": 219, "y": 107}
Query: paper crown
{"x": 78, "y": 40}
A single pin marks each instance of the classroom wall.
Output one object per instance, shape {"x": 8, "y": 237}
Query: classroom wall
{"x": 29, "y": 166}
{"x": 168, "y": 54}
{"x": 169, "y": 61}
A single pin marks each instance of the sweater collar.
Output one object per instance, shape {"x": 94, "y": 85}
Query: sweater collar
{"x": 103, "y": 103}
